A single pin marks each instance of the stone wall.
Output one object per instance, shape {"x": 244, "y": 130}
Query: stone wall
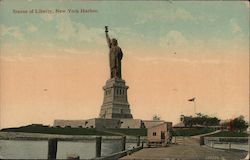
{"x": 131, "y": 123}
{"x": 107, "y": 123}
{"x": 98, "y": 123}
{"x": 101, "y": 123}
{"x": 69, "y": 123}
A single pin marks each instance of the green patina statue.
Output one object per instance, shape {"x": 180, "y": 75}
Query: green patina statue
{"x": 115, "y": 56}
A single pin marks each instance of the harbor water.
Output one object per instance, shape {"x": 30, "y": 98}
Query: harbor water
{"x": 28, "y": 149}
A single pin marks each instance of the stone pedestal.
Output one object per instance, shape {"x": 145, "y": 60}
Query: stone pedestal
{"x": 115, "y": 103}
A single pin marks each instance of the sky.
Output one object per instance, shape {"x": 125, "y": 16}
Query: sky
{"x": 54, "y": 65}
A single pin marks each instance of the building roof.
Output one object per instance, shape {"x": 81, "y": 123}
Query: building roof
{"x": 164, "y": 123}
{"x": 179, "y": 125}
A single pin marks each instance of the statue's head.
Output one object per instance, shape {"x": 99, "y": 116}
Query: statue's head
{"x": 114, "y": 42}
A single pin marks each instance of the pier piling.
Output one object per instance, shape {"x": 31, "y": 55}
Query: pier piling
{"x": 98, "y": 146}
{"x": 52, "y": 149}
{"x": 123, "y": 143}
{"x": 138, "y": 140}
{"x": 202, "y": 141}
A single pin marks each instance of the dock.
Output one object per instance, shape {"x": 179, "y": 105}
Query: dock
{"x": 187, "y": 148}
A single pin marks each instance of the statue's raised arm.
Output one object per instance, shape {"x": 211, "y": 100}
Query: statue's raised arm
{"x": 107, "y": 36}
{"x": 115, "y": 56}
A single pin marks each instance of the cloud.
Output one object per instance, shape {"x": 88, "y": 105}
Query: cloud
{"x": 247, "y": 3}
{"x": 201, "y": 61}
{"x": 171, "y": 14}
{"x": 150, "y": 59}
{"x": 165, "y": 59}
{"x": 16, "y": 58}
{"x": 173, "y": 39}
{"x": 47, "y": 17}
{"x": 65, "y": 28}
{"x": 183, "y": 14}
{"x": 31, "y": 28}
{"x": 89, "y": 34}
{"x": 11, "y": 31}
{"x": 70, "y": 30}
{"x": 15, "y": 52}
{"x": 70, "y": 51}
{"x": 235, "y": 28}
{"x": 128, "y": 35}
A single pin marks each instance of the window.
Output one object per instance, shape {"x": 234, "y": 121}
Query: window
{"x": 162, "y": 135}
{"x": 154, "y": 133}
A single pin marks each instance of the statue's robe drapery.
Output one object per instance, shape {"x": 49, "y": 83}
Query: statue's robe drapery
{"x": 115, "y": 57}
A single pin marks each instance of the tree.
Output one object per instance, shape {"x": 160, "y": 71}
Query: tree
{"x": 239, "y": 124}
{"x": 200, "y": 119}
{"x": 156, "y": 117}
{"x": 188, "y": 121}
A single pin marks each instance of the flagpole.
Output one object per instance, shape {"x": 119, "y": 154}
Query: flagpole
{"x": 194, "y": 107}
{"x": 193, "y": 100}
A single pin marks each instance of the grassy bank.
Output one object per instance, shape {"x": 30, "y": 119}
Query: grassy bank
{"x": 192, "y": 131}
{"x": 52, "y": 130}
{"x": 229, "y": 134}
{"x": 129, "y": 132}
{"x": 76, "y": 131}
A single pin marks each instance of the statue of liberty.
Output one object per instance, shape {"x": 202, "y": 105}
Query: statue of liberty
{"x": 115, "y": 56}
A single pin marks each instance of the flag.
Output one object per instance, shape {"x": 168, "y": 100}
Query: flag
{"x": 192, "y": 99}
